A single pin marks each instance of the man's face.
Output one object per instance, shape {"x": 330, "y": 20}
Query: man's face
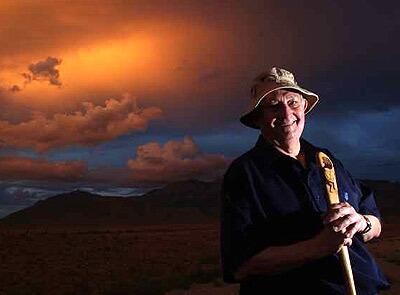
{"x": 282, "y": 116}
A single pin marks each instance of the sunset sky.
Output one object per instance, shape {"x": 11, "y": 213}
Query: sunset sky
{"x": 118, "y": 96}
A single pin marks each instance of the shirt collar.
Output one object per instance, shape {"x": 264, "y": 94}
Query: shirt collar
{"x": 267, "y": 149}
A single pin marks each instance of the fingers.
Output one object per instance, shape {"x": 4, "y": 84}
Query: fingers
{"x": 342, "y": 240}
{"x": 351, "y": 230}
{"x": 343, "y": 218}
{"x": 342, "y": 224}
{"x": 337, "y": 211}
{"x": 330, "y": 241}
{"x": 339, "y": 205}
{"x": 348, "y": 242}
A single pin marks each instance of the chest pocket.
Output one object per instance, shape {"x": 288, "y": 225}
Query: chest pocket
{"x": 348, "y": 190}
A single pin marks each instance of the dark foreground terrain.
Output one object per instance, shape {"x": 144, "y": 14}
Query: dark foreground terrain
{"x": 178, "y": 257}
{"x": 173, "y": 259}
{"x": 117, "y": 260}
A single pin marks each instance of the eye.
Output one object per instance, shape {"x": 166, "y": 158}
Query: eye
{"x": 273, "y": 102}
{"x": 293, "y": 102}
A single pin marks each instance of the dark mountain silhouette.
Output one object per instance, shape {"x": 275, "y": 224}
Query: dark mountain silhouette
{"x": 181, "y": 202}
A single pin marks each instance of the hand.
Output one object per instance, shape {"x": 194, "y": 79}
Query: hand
{"x": 329, "y": 241}
{"x": 344, "y": 219}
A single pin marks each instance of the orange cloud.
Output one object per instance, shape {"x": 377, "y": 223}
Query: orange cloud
{"x": 90, "y": 126}
{"x": 44, "y": 70}
{"x": 174, "y": 161}
{"x": 22, "y": 168}
{"x": 154, "y": 164}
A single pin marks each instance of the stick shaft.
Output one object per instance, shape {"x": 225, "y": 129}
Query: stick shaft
{"x": 332, "y": 196}
{"x": 346, "y": 265}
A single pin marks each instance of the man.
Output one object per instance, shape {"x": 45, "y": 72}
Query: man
{"x": 278, "y": 235}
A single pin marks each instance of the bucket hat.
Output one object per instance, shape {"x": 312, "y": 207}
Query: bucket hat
{"x": 270, "y": 81}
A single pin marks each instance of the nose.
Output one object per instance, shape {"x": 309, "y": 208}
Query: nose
{"x": 284, "y": 111}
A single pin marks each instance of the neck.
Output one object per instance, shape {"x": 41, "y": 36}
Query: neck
{"x": 290, "y": 148}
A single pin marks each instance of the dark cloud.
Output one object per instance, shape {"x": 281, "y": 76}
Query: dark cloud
{"x": 366, "y": 142}
{"x": 44, "y": 70}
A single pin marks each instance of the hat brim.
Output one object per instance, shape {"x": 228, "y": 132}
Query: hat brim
{"x": 248, "y": 117}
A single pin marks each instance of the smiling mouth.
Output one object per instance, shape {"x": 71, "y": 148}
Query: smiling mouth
{"x": 287, "y": 125}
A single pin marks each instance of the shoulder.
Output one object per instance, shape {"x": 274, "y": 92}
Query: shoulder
{"x": 237, "y": 166}
{"x": 238, "y": 173}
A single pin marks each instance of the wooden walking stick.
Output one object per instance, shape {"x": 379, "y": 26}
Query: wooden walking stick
{"x": 333, "y": 198}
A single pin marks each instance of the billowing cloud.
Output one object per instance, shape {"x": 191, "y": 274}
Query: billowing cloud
{"x": 23, "y": 168}
{"x": 87, "y": 127}
{"x": 174, "y": 161}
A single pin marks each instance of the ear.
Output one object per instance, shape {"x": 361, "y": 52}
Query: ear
{"x": 305, "y": 103}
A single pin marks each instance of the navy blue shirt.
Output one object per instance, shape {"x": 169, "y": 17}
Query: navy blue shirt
{"x": 269, "y": 199}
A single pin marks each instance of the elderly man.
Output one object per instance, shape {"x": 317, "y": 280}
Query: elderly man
{"x": 278, "y": 234}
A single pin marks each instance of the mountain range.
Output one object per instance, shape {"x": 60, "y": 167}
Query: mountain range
{"x": 185, "y": 202}
{"x": 181, "y": 202}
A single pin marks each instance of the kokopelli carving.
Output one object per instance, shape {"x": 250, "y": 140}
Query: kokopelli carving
{"x": 329, "y": 174}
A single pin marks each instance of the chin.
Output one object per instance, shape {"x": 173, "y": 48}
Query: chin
{"x": 288, "y": 134}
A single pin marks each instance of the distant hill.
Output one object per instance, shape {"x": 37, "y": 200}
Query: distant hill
{"x": 182, "y": 202}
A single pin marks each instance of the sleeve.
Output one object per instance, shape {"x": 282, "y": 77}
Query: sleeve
{"x": 239, "y": 238}
{"x": 366, "y": 200}
{"x": 367, "y": 204}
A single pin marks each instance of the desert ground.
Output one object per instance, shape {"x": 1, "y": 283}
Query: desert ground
{"x": 118, "y": 260}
